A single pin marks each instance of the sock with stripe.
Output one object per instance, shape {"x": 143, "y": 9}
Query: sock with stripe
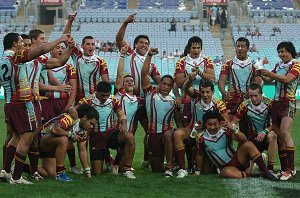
{"x": 19, "y": 163}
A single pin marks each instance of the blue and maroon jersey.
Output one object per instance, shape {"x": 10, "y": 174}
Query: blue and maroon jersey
{"x": 160, "y": 111}
{"x": 130, "y": 105}
{"x": 218, "y": 147}
{"x": 106, "y": 111}
{"x": 240, "y": 75}
{"x": 14, "y": 78}
{"x": 286, "y": 91}
{"x": 133, "y": 64}
{"x": 89, "y": 71}
{"x": 63, "y": 75}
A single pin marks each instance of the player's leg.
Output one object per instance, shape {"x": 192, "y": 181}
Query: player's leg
{"x": 232, "y": 172}
{"x": 97, "y": 161}
{"x": 71, "y": 156}
{"x": 141, "y": 115}
{"x": 180, "y": 136}
{"x": 168, "y": 148}
{"x": 156, "y": 152}
{"x": 9, "y": 134}
{"x": 48, "y": 168}
{"x": 272, "y": 146}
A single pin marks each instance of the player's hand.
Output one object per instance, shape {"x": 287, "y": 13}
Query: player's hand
{"x": 225, "y": 96}
{"x": 264, "y": 72}
{"x": 71, "y": 42}
{"x": 198, "y": 127}
{"x": 75, "y": 137}
{"x": 72, "y": 16}
{"x": 66, "y": 108}
{"x": 123, "y": 50}
{"x": 130, "y": 18}
{"x": 64, "y": 38}
{"x": 123, "y": 129}
{"x": 64, "y": 88}
{"x": 260, "y": 137}
{"x": 226, "y": 124}
{"x": 153, "y": 51}
{"x": 178, "y": 101}
{"x": 193, "y": 75}
{"x": 36, "y": 95}
{"x": 73, "y": 113}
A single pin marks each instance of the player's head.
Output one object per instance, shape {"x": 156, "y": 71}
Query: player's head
{"x": 241, "y": 48}
{"x": 286, "y": 51}
{"x": 165, "y": 85}
{"x": 12, "y": 41}
{"x": 194, "y": 46}
{"x": 37, "y": 37}
{"x": 128, "y": 83}
{"x": 255, "y": 93}
{"x": 88, "y": 45}
{"x": 207, "y": 90}
{"x": 212, "y": 121}
{"x": 141, "y": 44}
{"x": 88, "y": 115}
{"x": 103, "y": 91}
{"x": 26, "y": 41}
{"x": 57, "y": 51}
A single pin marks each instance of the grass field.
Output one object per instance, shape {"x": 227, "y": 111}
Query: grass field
{"x": 150, "y": 184}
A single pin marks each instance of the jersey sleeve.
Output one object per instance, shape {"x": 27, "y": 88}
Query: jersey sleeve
{"x": 200, "y": 145}
{"x": 295, "y": 69}
{"x": 209, "y": 63}
{"x": 130, "y": 51}
{"x": 242, "y": 109}
{"x": 103, "y": 66}
{"x": 226, "y": 68}
{"x": 180, "y": 67}
{"x": 42, "y": 60}
{"x": 86, "y": 100}
{"x": 275, "y": 68}
{"x": 65, "y": 122}
{"x": 116, "y": 103}
{"x": 20, "y": 56}
{"x": 154, "y": 71}
{"x": 71, "y": 72}
{"x": 221, "y": 106}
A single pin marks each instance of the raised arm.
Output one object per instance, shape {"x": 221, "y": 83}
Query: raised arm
{"x": 45, "y": 48}
{"x": 119, "y": 79}
{"x": 68, "y": 26}
{"x": 146, "y": 67}
{"x": 57, "y": 62}
{"x": 187, "y": 85}
{"x": 121, "y": 33}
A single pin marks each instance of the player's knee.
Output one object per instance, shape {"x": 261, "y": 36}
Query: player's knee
{"x": 248, "y": 144}
{"x": 129, "y": 139}
{"x": 168, "y": 136}
{"x": 63, "y": 140}
{"x": 272, "y": 137}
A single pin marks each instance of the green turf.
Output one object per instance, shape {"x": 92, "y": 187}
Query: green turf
{"x": 150, "y": 184}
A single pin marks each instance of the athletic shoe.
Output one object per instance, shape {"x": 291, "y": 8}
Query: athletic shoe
{"x": 181, "y": 173}
{"x": 168, "y": 173}
{"x": 145, "y": 164}
{"x": 63, "y": 177}
{"x": 76, "y": 170}
{"x": 191, "y": 171}
{"x": 4, "y": 176}
{"x": 279, "y": 174}
{"x": 19, "y": 181}
{"x": 115, "y": 170}
{"x": 288, "y": 175}
{"x": 129, "y": 175}
{"x": 36, "y": 176}
{"x": 271, "y": 176}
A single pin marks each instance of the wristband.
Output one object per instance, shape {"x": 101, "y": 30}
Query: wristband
{"x": 70, "y": 135}
{"x": 200, "y": 73}
{"x": 122, "y": 56}
{"x": 235, "y": 130}
{"x": 265, "y": 131}
{"x": 197, "y": 172}
{"x": 150, "y": 54}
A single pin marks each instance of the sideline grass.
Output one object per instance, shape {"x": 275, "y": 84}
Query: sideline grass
{"x": 150, "y": 184}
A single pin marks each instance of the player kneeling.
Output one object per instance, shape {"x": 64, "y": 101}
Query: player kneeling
{"x": 54, "y": 138}
{"x": 216, "y": 141}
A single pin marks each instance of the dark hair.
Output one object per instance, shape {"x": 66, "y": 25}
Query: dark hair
{"x": 9, "y": 40}
{"x": 213, "y": 114}
{"x": 254, "y": 86}
{"x": 25, "y": 36}
{"x": 138, "y": 38}
{"x": 288, "y": 46}
{"x": 193, "y": 39}
{"x": 104, "y": 86}
{"x": 86, "y": 37}
{"x": 167, "y": 76}
{"x": 243, "y": 39}
{"x": 206, "y": 83}
{"x": 33, "y": 34}
{"x": 87, "y": 110}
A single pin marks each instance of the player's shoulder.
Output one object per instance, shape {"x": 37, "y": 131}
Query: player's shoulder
{"x": 100, "y": 58}
{"x": 267, "y": 100}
